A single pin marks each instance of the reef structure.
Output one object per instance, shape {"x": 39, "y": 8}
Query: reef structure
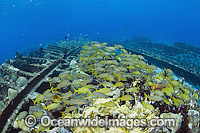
{"x": 22, "y": 76}
{"x": 106, "y": 81}
{"x": 182, "y": 58}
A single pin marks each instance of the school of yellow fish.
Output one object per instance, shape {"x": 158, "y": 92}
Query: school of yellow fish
{"x": 106, "y": 81}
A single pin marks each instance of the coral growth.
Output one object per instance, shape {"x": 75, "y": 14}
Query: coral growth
{"x": 109, "y": 81}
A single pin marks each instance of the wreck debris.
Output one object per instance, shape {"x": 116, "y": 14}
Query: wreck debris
{"x": 101, "y": 81}
{"x": 16, "y": 76}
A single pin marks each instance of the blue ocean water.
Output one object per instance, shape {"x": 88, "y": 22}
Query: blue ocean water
{"x": 29, "y": 24}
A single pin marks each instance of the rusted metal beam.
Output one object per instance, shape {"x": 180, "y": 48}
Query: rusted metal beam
{"x": 33, "y": 82}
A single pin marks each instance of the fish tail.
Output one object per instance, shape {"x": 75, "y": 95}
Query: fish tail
{"x": 52, "y": 88}
{"x": 44, "y": 108}
{"x": 34, "y": 101}
{"x": 59, "y": 97}
{"x": 62, "y": 112}
{"x": 145, "y": 95}
{"x": 89, "y": 94}
{"x": 65, "y": 103}
{"x": 118, "y": 99}
{"x": 75, "y": 90}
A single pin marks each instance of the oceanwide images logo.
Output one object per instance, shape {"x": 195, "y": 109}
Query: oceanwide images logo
{"x": 46, "y": 121}
{"x": 30, "y": 121}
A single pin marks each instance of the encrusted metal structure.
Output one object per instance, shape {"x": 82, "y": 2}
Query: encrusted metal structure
{"x": 182, "y": 58}
{"x": 50, "y": 62}
{"x": 39, "y": 69}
